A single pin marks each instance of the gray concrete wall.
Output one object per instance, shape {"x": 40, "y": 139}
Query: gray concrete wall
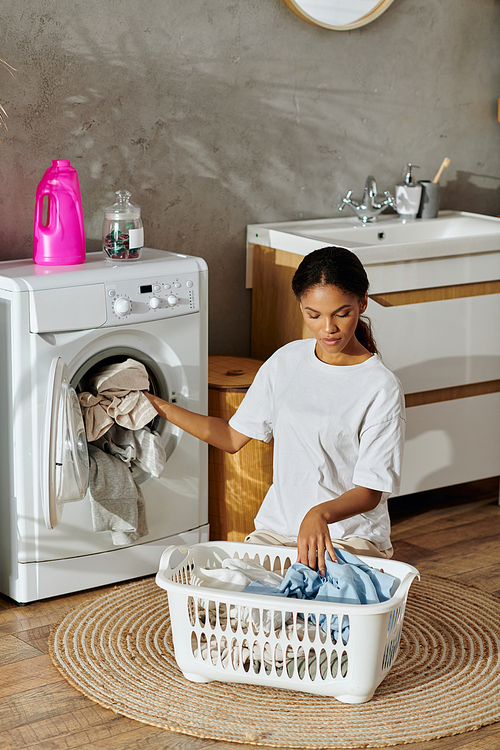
{"x": 220, "y": 113}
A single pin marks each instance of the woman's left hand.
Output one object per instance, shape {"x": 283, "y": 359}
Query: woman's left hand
{"x": 313, "y": 539}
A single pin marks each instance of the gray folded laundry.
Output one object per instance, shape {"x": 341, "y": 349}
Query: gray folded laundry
{"x": 144, "y": 448}
{"x": 116, "y": 501}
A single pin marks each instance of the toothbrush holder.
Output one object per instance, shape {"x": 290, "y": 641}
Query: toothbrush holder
{"x": 429, "y": 202}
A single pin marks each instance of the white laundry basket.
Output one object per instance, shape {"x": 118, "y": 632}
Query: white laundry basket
{"x": 340, "y": 650}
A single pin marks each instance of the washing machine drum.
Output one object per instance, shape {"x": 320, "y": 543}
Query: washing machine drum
{"x": 64, "y": 454}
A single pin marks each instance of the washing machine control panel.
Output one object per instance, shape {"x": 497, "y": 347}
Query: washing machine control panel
{"x": 130, "y": 301}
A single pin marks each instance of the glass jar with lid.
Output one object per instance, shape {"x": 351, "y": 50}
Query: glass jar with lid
{"x": 122, "y": 233}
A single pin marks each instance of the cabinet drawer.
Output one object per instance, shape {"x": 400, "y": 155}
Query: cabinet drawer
{"x": 439, "y": 344}
{"x": 451, "y": 442}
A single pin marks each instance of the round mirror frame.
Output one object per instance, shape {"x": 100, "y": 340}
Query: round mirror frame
{"x": 379, "y": 6}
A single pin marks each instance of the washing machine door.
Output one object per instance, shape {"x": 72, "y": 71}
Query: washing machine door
{"x": 64, "y": 458}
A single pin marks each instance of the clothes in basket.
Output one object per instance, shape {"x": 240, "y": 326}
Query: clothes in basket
{"x": 347, "y": 581}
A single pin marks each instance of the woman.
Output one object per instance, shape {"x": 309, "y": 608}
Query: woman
{"x": 337, "y": 417}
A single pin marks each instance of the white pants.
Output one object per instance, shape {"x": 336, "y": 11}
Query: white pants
{"x": 353, "y": 544}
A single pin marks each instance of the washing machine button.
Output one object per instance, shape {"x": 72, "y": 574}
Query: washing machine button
{"x": 172, "y": 300}
{"x": 156, "y": 287}
{"x": 154, "y": 303}
{"x": 189, "y": 284}
{"x": 122, "y": 306}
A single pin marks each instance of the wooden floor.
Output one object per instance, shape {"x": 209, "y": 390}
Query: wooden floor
{"x": 453, "y": 533}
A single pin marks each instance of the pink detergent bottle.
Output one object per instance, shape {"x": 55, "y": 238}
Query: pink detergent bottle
{"x": 58, "y": 235}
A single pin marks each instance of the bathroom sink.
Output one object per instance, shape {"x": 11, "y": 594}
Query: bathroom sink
{"x": 389, "y": 230}
{"x": 389, "y": 239}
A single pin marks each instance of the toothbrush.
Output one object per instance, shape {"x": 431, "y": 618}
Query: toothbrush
{"x": 446, "y": 163}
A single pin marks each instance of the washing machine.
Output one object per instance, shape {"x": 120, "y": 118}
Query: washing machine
{"x": 58, "y": 326}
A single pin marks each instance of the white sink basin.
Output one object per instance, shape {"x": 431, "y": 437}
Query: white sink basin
{"x": 388, "y": 239}
{"x": 391, "y": 230}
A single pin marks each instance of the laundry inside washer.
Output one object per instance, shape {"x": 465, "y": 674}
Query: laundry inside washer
{"x": 130, "y": 445}
{"x": 116, "y": 414}
{"x": 116, "y": 395}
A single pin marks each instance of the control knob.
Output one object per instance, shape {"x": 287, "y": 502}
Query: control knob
{"x": 154, "y": 303}
{"x": 172, "y": 300}
{"x": 122, "y": 306}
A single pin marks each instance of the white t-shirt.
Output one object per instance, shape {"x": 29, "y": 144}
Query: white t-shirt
{"x": 334, "y": 428}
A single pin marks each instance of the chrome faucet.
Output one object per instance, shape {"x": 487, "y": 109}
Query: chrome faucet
{"x": 368, "y": 209}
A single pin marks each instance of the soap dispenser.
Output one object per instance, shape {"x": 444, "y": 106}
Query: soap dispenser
{"x": 408, "y": 194}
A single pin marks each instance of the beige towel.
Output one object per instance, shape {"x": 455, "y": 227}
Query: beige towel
{"x": 117, "y": 397}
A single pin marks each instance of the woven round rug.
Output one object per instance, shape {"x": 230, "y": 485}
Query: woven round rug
{"x": 118, "y": 651}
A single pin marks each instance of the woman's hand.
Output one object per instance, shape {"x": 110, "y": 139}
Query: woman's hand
{"x": 314, "y": 534}
{"x": 313, "y": 539}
